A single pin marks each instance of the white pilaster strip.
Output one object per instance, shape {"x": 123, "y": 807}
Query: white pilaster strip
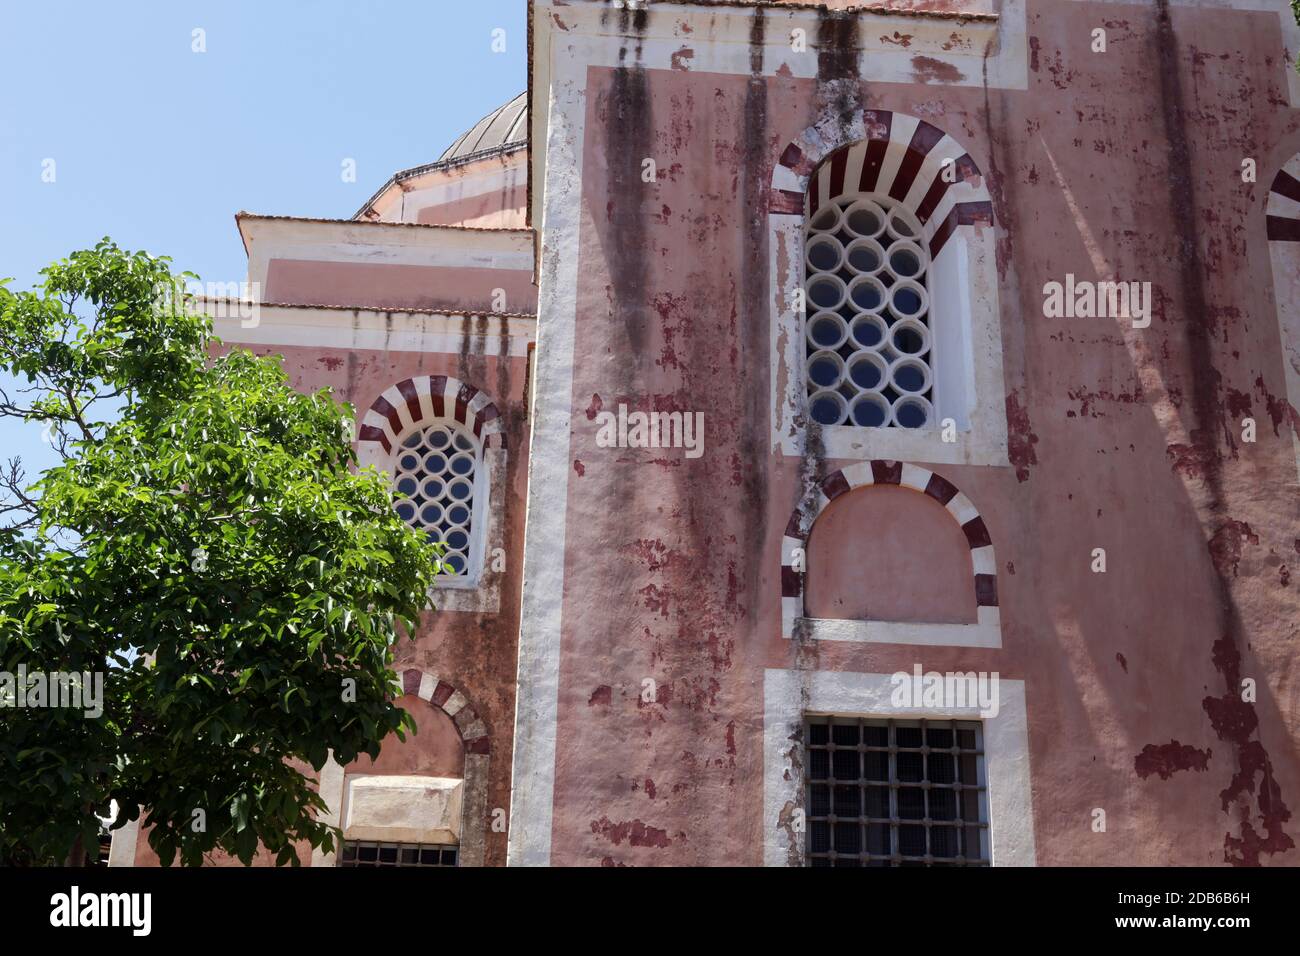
{"x": 331, "y": 790}
{"x": 537, "y": 701}
{"x": 121, "y": 851}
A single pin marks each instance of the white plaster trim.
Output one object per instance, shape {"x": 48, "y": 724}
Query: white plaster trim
{"x": 346, "y": 240}
{"x": 537, "y": 698}
{"x": 332, "y": 790}
{"x": 121, "y": 852}
{"x": 985, "y": 633}
{"x": 379, "y": 330}
{"x": 394, "y": 253}
{"x": 789, "y": 695}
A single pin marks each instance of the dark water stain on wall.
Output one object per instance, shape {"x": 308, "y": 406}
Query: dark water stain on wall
{"x": 1234, "y": 721}
{"x": 629, "y": 125}
{"x": 752, "y": 338}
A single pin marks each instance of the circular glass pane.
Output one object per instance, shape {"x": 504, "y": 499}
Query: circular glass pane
{"x": 826, "y": 292}
{"x": 825, "y": 369}
{"x": 827, "y": 408}
{"x": 904, "y": 262}
{"x": 865, "y": 256}
{"x": 910, "y": 338}
{"x": 870, "y": 411}
{"x": 827, "y": 330}
{"x": 909, "y": 377}
{"x": 824, "y": 254}
{"x": 907, "y": 301}
{"x": 866, "y": 373}
{"x": 868, "y": 331}
{"x": 864, "y": 218}
{"x": 826, "y": 219}
{"x": 867, "y": 294}
{"x": 911, "y": 413}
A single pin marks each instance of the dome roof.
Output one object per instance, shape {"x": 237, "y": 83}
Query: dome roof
{"x": 504, "y": 127}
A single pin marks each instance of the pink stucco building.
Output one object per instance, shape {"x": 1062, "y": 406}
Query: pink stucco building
{"x": 868, "y": 436}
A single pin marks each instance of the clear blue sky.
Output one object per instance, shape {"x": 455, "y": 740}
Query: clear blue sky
{"x": 158, "y": 146}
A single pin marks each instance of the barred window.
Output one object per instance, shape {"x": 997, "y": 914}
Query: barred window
{"x": 896, "y": 793}
{"x": 363, "y": 853}
{"x": 438, "y": 476}
{"x": 868, "y": 339}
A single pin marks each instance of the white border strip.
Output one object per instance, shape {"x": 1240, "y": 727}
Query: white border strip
{"x": 375, "y": 330}
{"x": 537, "y": 697}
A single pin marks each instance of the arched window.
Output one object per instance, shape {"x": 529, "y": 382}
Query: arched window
{"x": 438, "y": 477}
{"x": 885, "y": 311}
{"x": 443, "y": 443}
{"x": 868, "y": 333}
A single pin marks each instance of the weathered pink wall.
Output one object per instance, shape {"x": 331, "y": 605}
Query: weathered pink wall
{"x": 391, "y": 286}
{"x": 498, "y": 208}
{"x": 673, "y": 565}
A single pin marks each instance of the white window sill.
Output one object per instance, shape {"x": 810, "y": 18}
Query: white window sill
{"x": 986, "y": 632}
{"x": 922, "y": 445}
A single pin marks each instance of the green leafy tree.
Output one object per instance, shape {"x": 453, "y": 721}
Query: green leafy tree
{"x": 206, "y": 544}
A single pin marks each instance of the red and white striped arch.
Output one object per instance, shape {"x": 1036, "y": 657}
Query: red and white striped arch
{"x": 889, "y": 153}
{"x": 1283, "y": 212}
{"x": 429, "y": 686}
{"x": 1282, "y": 223}
{"x": 425, "y": 398}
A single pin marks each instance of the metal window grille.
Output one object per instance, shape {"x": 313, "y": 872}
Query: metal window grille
{"x": 363, "y": 853}
{"x": 896, "y": 792}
